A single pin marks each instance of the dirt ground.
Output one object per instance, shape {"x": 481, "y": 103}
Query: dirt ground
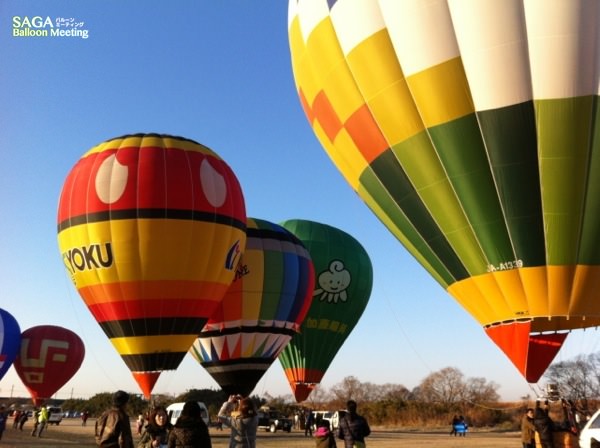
{"x": 70, "y": 433}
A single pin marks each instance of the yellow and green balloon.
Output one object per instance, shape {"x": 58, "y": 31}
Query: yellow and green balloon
{"x": 470, "y": 128}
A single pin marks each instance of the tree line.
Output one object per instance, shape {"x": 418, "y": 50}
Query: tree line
{"x": 433, "y": 403}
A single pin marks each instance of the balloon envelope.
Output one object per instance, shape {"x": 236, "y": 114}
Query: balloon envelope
{"x": 151, "y": 228}
{"x": 10, "y": 340}
{"x": 469, "y": 128}
{"x": 48, "y": 358}
{"x": 344, "y": 278}
{"x": 262, "y": 309}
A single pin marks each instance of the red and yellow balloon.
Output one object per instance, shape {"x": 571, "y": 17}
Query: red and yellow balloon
{"x": 151, "y": 228}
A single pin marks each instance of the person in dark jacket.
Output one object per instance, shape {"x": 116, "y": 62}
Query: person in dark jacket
{"x": 543, "y": 425}
{"x": 113, "y": 429}
{"x": 190, "y": 431}
{"x": 353, "y": 428}
{"x": 156, "y": 432}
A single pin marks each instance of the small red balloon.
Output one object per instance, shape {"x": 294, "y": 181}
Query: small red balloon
{"x": 49, "y": 357}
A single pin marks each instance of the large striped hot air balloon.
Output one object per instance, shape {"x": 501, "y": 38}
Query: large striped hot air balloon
{"x": 10, "y": 340}
{"x": 151, "y": 228}
{"x": 49, "y": 356}
{"x": 344, "y": 278}
{"x": 469, "y": 127}
{"x": 263, "y": 308}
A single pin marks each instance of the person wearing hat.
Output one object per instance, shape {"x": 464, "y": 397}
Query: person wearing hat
{"x": 113, "y": 429}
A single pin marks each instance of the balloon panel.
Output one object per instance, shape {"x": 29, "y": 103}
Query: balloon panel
{"x": 470, "y": 130}
{"x": 344, "y": 278}
{"x": 151, "y": 228}
{"x": 260, "y": 312}
{"x": 10, "y": 340}
{"x": 48, "y": 358}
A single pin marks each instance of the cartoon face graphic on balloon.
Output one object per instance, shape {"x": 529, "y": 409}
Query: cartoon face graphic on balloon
{"x": 333, "y": 283}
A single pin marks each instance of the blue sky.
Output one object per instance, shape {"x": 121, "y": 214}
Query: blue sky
{"x": 217, "y": 72}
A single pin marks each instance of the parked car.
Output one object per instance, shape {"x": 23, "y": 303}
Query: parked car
{"x": 333, "y": 417}
{"x": 590, "y": 434}
{"x": 55, "y": 415}
{"x": 271, "y": 420}
{"x": 174, "y": 411}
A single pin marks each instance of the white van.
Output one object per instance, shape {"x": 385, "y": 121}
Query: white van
{"x": 174, "y": 411}
{"x": 55, "y": 415}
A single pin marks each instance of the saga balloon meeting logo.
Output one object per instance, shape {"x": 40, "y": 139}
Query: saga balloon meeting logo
{"x": 39, "y": 26}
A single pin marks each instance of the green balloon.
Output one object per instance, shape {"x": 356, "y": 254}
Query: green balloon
{"x": 344, "y": 279}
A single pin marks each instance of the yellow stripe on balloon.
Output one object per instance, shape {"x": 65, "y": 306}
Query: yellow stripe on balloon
{"x": 141, "y": 345}
{"x": 150, "y": 140}
{"x": 442, "y": 93}
{"x": 162, "y": 259}
{"x": 553, "y": 293}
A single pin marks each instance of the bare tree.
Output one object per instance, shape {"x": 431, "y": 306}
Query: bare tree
{"x": 478, "y": 390}
{"x": 444, "y": 386}
{"x": 350, "y": 388}
{"x": 577, "y": 379}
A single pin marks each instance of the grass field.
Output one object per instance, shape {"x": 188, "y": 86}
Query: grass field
{"x": 70, "y": 433}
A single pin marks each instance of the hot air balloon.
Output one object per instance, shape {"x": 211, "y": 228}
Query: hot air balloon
{"x": 261, "y": 311}
{"x": 48, "y": 358}
{"x": 469, "y": 129}
{"x": 151, "y": 228}
{"x": 344, "y": 278}
{"x": 10, "y": 340}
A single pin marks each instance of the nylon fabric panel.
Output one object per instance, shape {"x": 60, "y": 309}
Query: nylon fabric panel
{"x": 589, "y": 250}
{"x": 390, "y": 222}
{"x": 511, "y": 143}
{"x": 152, "y": 326}
{"x": 162, "y": 244}
{"x": 421, "y": 223}
{"x": 150, "y": 362}
{"x": 441, "y": 93}
{"x": 463, "y": 156}
{"x": 564, "y": 133}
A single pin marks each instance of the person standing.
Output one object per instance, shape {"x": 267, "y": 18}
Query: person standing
{"x": 36, "y": 416}
{"x": 42, "y": 420}
{"x": 113, "y": 428}
{"x": 243, "y": 424}
{"x": 156, "y": 433}
{"x": 139, "y": 424}
{"x": 3, "y": 419}
{"x": 309, "y": 420}
{"x": 527, "y": 429}
{"x": 543, "y": 425}
{"x": 353, "y": 428}
{"x": 190, "y": 431}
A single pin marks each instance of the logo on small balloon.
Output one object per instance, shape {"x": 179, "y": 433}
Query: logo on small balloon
{"x": 233, "y": 255}
{"x": 333, "y": 283}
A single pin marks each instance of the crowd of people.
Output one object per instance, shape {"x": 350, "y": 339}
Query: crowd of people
{"x": 113, "y": 428}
